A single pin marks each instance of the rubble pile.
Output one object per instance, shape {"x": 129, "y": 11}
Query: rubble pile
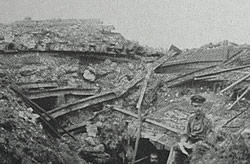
{"x": 23, "y": 139}
{"x": 229, "y": 148}
{"x": 68, "y": 35}
{"x": 90, "y": 79}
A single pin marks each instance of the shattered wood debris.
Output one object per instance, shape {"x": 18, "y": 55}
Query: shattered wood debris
{"x": 60, "y": 91}
{"x": 83, "y": 124}
{"x": 230, "y": 120}
{"x": 24, "y": 140}
{"x": 240, "y": 97}
{"x": 147, "y": 120}
{"x": 186, "y": 77}
{"x": 222, "y": 71}
{"x": 106, "y": 96}
{"x": 43, "y": 115}
{"x": 236, "y": 82}
{"x": 83, "y": 64}
{"x": 138, "y": 107}
{"x": 35, "y": 85}
{"x": 96, "y": 99}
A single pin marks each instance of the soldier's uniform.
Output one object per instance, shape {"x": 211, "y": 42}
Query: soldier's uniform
{"x": 198, "y": 127}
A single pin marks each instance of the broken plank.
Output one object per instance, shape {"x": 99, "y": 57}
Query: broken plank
{"x": 83, "y": 103}
{"x": 106, "y": 96}
{"x": 205, "y": 78}
{"x": 92, "y": 100}
{"x": 223, "y": 71}
{"x": 241, "y": 72}
{"x": 84, "y": 123}
{"x": 233, "y": 118}
{"x": 162, "y": 60}
{"x": 59, "y": 91}
{"x": 187, "y": 62}
{"x": 35, "y": 85}
{"x": 147, "y": 120}
{"x": 76, "y": 126}
{"x": 138, "y": 107}
{"x": 239, "y": 98}
{"x": 42, "y": 113}
{"x": 190, "y": 73}
{"x": 144, "y": 87}
{"x": 175, "y": 49}
{"x": 186, "y": 77}
{"x": 235, "y": 83}
{"x": 37, "y": 110}
{"x": 233, "y": 57}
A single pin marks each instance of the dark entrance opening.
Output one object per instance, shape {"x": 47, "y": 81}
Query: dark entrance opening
{"x": 11, "y": 47}
{"x": 145, "y": 149}
{"x": 47, "y": 103}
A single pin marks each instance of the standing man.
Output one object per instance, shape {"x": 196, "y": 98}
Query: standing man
{"x": 198, "y": 127}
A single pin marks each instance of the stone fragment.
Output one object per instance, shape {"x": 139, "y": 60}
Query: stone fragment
{"x": 107, "y": 62}
{"x": 114, "y": 65}
{"x": 99, "y": 124}
{"x": 90, "y": 141}
{"x": 74, "y": 74}
{"x": 2, "y": 141}
{"x": 99, "y": 148}
{"x": 2, "y": 73}
{"x": 131, "y": 66}
{"x": 89, "y": 75}
{"x": 92, "y": 130}
{"x": 246, "y": 135}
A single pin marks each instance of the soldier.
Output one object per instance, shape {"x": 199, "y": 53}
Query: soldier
{"x": 198, "y": 127}
{"x": 153, "y": 159}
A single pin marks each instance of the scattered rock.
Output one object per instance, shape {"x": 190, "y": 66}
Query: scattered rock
{"x": 89, "y": 75}
{"x": 90, "y": 141}
{"x": 107, "y": 62}
{"x": 99, "y": 124}
{"x": 99, "y": 148}
{"x": 2, "y": 73}
{"x": 246, "y": 135}
{"x": 113, "y": 65}
{"x": 92, "y": 130}
{"x": 2, "y": 141}
{"x": 131, "y": 66}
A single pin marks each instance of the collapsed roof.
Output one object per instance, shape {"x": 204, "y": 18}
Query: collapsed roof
{"x": 84, "y": 87}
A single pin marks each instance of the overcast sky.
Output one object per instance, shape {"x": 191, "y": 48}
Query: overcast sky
{"x": 157, "y": 23}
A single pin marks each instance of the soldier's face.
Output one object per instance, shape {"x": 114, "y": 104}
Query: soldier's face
{"x": 196, "y": 106}
{"x": 153, "y": 159}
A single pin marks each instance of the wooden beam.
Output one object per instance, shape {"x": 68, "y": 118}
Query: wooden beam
{"x": 186, "y": 62}
{"x": 186, "y": 77}
{"x": 96, "y": 99}
{"x": 84, "y": 123}
{"x": 190, "y": 73}
{"x": 205, "y": 78}
{"x": 231, "y": 59}
{"x": 138, "y": 107}
{"x": 59, "y": 92}
{"x": 230, "y": 120}
{"x": 235, "y": 83}
{"x": 43, "y": 114}
{"x": 223, "y": 71}
{"x": 32, "y": 85}
{"x": 147, "y": 120}
{"x": 239, "y": 98}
